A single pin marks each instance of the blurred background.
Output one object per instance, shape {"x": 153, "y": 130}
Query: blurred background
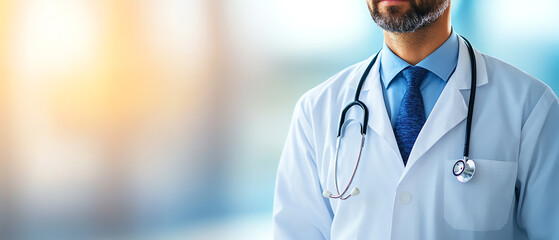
{"x": 165, "y": 119}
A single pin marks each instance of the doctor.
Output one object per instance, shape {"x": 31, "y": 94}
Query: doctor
{"x": 404, "y": 169}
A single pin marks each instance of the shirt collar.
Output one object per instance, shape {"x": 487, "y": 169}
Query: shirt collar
{"x": 441, "y": 62}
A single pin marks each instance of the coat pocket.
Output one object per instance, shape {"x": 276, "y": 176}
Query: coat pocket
{"x": 484, "y": 203}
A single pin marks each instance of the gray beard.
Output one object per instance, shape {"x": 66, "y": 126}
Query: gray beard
{"x": 410, "y": 21}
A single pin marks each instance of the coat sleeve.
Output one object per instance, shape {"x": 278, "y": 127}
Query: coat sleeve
{"x": 300, "y": 211}
{"x": 538, "y": 168}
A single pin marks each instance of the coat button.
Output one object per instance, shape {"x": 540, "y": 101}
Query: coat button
{"x": 405, "y": 197}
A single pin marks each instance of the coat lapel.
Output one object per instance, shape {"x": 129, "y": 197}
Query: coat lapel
{"x": 378, "y": 116}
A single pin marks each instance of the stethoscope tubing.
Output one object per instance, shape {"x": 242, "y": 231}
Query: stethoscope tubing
{"x": 341, "y": 195}
{"x": 472, "y": 98}
{"x": 357, "y": 102}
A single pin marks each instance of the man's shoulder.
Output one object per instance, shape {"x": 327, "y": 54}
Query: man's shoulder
{"x": 510, "y": 84}
{"x": 508, "y": 76}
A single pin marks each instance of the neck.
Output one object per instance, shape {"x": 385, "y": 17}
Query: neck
{"x": 415, "y": 46}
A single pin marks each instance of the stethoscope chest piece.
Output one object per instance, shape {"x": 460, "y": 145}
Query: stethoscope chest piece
{"x": 464, "y": 169}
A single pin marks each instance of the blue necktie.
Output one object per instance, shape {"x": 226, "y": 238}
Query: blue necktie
{"x": 411, "y": 115}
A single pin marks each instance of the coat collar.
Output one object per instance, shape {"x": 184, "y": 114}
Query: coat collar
{"x": 441, "y": 62}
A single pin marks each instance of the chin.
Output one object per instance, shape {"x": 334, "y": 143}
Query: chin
{"x": 393, "y": 10}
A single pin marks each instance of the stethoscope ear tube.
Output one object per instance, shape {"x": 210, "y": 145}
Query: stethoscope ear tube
{"x": 355, "y": 191}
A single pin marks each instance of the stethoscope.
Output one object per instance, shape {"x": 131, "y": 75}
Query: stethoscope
{"x": 463, "y": 169}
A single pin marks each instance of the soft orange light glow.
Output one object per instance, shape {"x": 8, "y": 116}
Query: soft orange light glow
{"x": 91, "y": 87}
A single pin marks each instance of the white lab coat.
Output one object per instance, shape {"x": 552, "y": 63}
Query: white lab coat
{"x": 514, "y": 193}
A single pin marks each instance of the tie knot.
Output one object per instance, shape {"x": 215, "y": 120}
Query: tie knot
{"x": 414, "y": 75}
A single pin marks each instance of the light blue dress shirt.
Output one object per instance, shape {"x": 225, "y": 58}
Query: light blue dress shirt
{"x": 441, "y": 64}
